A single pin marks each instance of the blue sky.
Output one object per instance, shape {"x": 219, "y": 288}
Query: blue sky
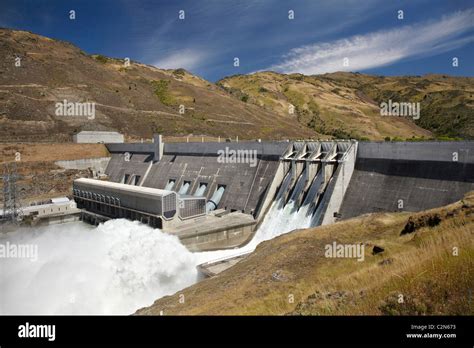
{"x": 259, "y": 32}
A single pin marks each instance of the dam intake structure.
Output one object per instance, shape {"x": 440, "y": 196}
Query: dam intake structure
{"x": 188, "y": 190}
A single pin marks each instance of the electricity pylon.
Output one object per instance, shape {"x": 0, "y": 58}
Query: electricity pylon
{"x": 11, "y": 202}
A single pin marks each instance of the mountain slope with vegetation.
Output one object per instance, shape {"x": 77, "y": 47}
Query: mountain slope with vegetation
{"x": 414, "y": 264}
{"x": 347, "y": 104}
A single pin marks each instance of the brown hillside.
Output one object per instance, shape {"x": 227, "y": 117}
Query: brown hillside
{"x": 140, "y": 100}
{"x": 39, "y": 177}
{"x": 137, "y": 100}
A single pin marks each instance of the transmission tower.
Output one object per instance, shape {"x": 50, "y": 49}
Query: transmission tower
{"x": 11, "y": 202}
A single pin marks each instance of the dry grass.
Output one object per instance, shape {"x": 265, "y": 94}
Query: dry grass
{"x": 420, "y": 266}
{"x": 48, "y": 152}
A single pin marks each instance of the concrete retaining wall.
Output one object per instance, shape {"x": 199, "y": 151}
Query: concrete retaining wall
{"x": 94, "y": 137}
{"x": 131, "y": 148}
{"x": 96, "y": 164}
{"x": 218, "y": 239}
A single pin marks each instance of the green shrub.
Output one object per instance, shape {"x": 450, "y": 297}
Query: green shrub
{"x": 100, "y": 58}
{"x": 340, "y": 134}
{"x": 179, "y": 72}
{"x": 161, "y": 90}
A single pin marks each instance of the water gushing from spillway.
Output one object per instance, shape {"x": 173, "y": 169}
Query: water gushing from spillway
{"x": 121, "y": 266}
{"x": 303, "y": 218}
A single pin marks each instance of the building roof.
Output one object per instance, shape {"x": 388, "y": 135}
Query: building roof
{"x": 98, "y": 133}
{"x": 60, "y": 200}
{"x": 123, "y": 187}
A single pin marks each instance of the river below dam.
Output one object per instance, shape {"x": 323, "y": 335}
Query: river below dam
{"x": 114, "y": 268}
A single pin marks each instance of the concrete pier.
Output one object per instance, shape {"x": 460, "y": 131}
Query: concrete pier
{"x": 213, "y": 232}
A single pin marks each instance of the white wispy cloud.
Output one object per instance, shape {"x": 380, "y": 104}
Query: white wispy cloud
{"x": 187, "y": 58}
{"x": 380, "y": 48}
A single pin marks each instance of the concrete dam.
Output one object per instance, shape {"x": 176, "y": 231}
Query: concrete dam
{"x": 217, "y": 195}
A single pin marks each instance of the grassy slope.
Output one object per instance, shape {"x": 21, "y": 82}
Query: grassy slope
{"x": 420, "y": 266}
{"x": 346, "y": 104}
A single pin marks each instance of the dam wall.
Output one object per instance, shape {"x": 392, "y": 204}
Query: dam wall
{"x": 249, "y": 184}
{"x": 123, "y": 167}
{"x": 202, "y": 168}
{"x": 440, "y": 151}
{"x": 199, "y": 164}
{"x": 408, "y": 176}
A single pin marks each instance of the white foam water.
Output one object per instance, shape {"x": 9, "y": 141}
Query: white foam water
{"x": 116, "y": 267}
